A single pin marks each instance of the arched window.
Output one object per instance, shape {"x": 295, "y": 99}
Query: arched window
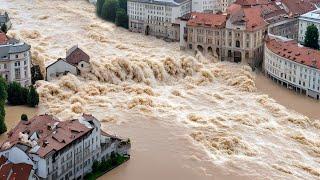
{"x": 237, "y": 43}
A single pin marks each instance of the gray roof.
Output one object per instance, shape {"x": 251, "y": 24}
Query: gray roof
{"x": 12, "y": 48}
{"x": 162, "y": 2}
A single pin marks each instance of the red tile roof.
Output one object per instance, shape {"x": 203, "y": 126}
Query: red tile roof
{"x": 20, "y": 171}
{"x": 251, "y": 17}
{"x": 11, "y": 171}
{"x": 251, "y": 2}
{"x": 290, "y": 50}
{"x": 52, "y": 134}
{"x": 3, "y": 38}
{"x": 207, "y": 20}
{"x": 75, "y": 55}
{"x": 298, "y": 7}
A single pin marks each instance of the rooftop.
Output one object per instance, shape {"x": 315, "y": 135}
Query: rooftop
{"x": 315, "y": 14}
{"x": 44, "y": 133}
{"x": 289, "y": 49}
{"x": 75, "y": 55}
{"x": 207, "y": 20}
{"x": 19, "y": 171}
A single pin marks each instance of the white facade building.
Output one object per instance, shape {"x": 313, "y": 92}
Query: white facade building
{"x": 205, "y": 5}
{"x": 308, "y": 19}
{"x": 157, "y": 18}
{"x": 293, "y": 66}
{"x": 61, "y": 149}
{"x": 15, "y": 60}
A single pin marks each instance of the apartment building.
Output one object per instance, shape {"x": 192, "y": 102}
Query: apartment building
{"x": 15, "y": 60}
{"x": 157, "y": 18}
{"x": 237, "y": 36}
{"x": 61, "y": 149}
{"x": 204, "y": 5}
{"x": 308, "y": 19}
{"x": 293, "y": 66}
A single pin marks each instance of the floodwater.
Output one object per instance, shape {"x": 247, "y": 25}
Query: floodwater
{"x": 189, "y": 117}
{"x": 292, "y": 100}
{"x": 13, "y": 115}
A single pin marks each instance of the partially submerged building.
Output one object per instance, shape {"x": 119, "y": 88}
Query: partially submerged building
{"x": 293, "y": 66}
{"x": 61, "y": 149}
{"x": 76, "y": 61}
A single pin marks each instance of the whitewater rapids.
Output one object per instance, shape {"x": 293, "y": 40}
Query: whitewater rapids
{"x": 240, "y": 129}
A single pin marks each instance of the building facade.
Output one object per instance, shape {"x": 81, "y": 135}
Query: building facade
{"x": 308, "y": 19}
{"x": 157, "y": 18}
{"x": 236, "y": 37}
{"x": 293, "y": 66}
{"x": 15, "y": 60}
{"x": 61, "y": 149}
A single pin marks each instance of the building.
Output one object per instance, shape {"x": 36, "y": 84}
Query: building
{"x": 292, "y": 65}
{"x": 237, "y": 36}
{"x": 157, "y": 18}
{"x": 76, "y": 61}
{"x": 203, "y": 5}
{"x": 61, "y": 149}
{"x": 307, "y": 19}
{"x": 15, "y": 60}
{"x": 19, "y": 171}
{"x": 5, "y": 20}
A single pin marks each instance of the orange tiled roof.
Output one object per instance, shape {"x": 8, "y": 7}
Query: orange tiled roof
{"x": 290, "y": 50}
{"x": 207, "y": 20}
{"x": 52, "y": 134}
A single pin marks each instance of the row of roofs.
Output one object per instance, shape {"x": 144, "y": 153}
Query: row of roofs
{"x": 291, "y": 50}
{"x": 254, "y": 14}
{"x": 44, "y": 134}
{"x": 238, "y": 16}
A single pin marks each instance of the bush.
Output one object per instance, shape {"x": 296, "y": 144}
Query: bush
{"x": 15, "y": 94}
{"x": 33, "y": 97}
{"x": 122, "y": 18}
{"x": 109, "y": 10}
{"x": 24, "y": 117}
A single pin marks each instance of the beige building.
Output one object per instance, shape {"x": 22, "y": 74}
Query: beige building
{"x": 237, "y": 36}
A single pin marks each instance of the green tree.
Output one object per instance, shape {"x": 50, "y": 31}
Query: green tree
{"x": 24, "y": 95}
{"x": 311, "y": 37}
{"x": 3, "y": 97}
{"x": 123, "y": 5}
{"x": 122, "y": 18}
{"x": 109, "y": 10}
{"x": 99, "y": 6}
{"x": 36, "y": 74}
{"x": 3, "y": 90}
{"x": 33, "y": 97}
{"x": 4, "y": 28}
{"x": 14, "y": 93}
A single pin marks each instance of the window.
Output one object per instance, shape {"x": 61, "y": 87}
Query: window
{"x": 17, "y": 73}
{"x": 237, "y": 43}
{"x": 17, "y": 55}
